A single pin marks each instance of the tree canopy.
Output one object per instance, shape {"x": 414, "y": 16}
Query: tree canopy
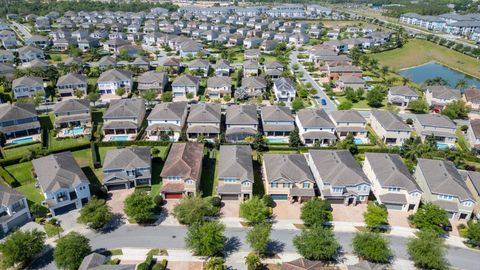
{"x": 456, "y": 110}
{"x": 317, "y": 243}
{"x": 316, "y": 212}
{"x": 259, "y": 236}
{"x": 375, "y": 216}
{"x": 254, "y": 210}
{"x": 140, "y": 206}
{"x": 372, "y": 247}
{"x": 70, "y": 251}
{"x": 192, "y": 209}
{"x": 21, "y": 247}
{"x": 430, "y": 217}
{"x": 96, "y": 214}
{"x": 206, "y": 239}
{"x": 427, "y": 250}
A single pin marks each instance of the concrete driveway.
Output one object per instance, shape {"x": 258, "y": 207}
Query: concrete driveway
{"x": 230, "y": 209}
{"x": 286, "y": 210}
{"x": 184, "y": 265}
{"x": 349, "y": 213}
{"x": 117, "y": 198}
{"x": 398, "y": 218}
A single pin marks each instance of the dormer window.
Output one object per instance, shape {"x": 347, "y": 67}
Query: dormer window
{"x": 393, "y": 189}
{"x": 467, "y": 203}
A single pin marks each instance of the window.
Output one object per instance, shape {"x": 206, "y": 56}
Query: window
{"x": 467, "y": 203}
{"x": 337, "y": 189}
{"x": 306, "y": 185}
{"x": 286, "y": 185}
{"x": 189, "y": 182}
{"x": 274, "y": 185}
{"x": 444, "y": 197}
{"x": 393, "y": 189}
{"x": 246, "y": 184}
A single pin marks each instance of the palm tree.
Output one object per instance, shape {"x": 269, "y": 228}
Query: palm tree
{"x": 405, "y": 80}
{"x": 253, "y": 261}
{"x": 461, "y": 84}
{"x": 216, "y": 263}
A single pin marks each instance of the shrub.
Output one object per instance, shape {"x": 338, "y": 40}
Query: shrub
{"x": 158, "y": 266}
{"x": 142, "y": 266}
{"x": 267, "y": 199}
{"x": 254, "y": 210}
{"x": 214, "y": 201}
{"x": 158, "y": 199}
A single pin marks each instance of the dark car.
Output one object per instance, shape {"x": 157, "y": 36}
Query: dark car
{"x": 323, "y": 102}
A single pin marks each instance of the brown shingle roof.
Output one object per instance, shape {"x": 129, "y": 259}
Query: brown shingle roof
{"x": 184, "y": 160}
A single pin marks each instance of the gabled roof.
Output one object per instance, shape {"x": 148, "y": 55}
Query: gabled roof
{"x": 436, "y": 120}
{"x": 71, "y": 105}
{"x": 291, "y": 167}
{"x": 107, "y": 61}
{"x": 219, "y": 81}
{"x": 472, "y": 95}
{"x": 390, "y": 121}
{"x": 235, "y": 161}
{"x": 222, "y": 64}
{"x": 241, "y": 114}
{"x": 444, "y": 92}
{"x": 128, "y": 158}
{"x": 338, "y": 168}
{"x": 9, "y": 196}
{"x": 168, "y": 111}
{"x": 314, "y": 118}
{"x": 283, "y": 84}
{"x": 198, "y": 63}
{"x": 29, "y": 48}
{"x": 302, "y": 264}
{"x": 27, "y": 81}
{"x": 17, "y": 111}
{"x": 277, "y": 113}
{"x": 125, "y": 108}
{"x": 205, "y": 113}
{"x": 57, "y": 171}
{"x": 250, "y": 64}
{"x": 152, "y": 77}
{"x": 475, "y": 126}
{"x": 254, "y": 82}
{"x": 186, "y": 80}
{"x": 115, "y": 75}
{"x": 403, "y": 90}
{"x": 184, "y": 160}
{"x": 72, "y": 78}
{"x": 347, "y": 116}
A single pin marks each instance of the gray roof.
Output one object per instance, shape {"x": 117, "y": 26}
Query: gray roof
{"x": 390, "y": 121}
{"x": 96, "y": 261}
{"x": 58, "y": 171}
{"x": 250, "y": 64}
{"x": 436, "y": 120}
{"x": 241, "y": 114}
{"x": 338, "y": 168}
{"x": 442, "y": 177}
{"x": 283, "y": 84}
{"x": 314, "y": 118}
{"x": 125, "y": 108}
{"x": 254, "y": 82}
{"x": 235, "y": 161}
{"x": 169, "y": 111}
{"x": 17, "y": 111}
{"x": 475, "y": 179}
{"x": 277, "y": 113}
{"x": 198, "y": 63}
{"x": 71, "y": 105}
{"x": 107, "y": 61}
{"x": 350, "y": 116}
{"x": 29, "y": 48}
{"x": 152, "y": 77}
{"x": 184, "y": 160}
{"x": 403, "y": 90}
{"x": 219, "y": 81}
{"x": 27, "y": 81}
{"x": 444, "y": 92}
{"x": 72, "y": 78}
{"x": 205, "y": 113}
{"x": 475, "y": 125}
{"x": 186, "y": 80}
{"x": 115, "y": 75}
{"x": 128, "y": 158}
{"x": 391, "y": 172}
{"x": 9, "y": 196}
{"x": 348, "y": 79}
{"x": 222, "y": 64}
{"x": 292, "y": 167}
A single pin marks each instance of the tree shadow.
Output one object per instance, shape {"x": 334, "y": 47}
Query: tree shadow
{"x": 43, "y": 261}
{"x": 232, "y": 245}
{"x": 275, "y": 247}
{"x": 116, "y": 222}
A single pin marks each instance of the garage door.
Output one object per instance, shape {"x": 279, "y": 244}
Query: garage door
{"x": 19, "y": 221}
{"x": 336, "y": 201}
{"x": 173, "y": 196}
{"x": 64, "y": 209}
{"x": 279, "y": 197}
{"x": 116, "y": 187}
{"x": 230, "y": 197}
{"x": 392, "y": 206}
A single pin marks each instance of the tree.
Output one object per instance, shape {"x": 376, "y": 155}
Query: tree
{"x": 206, "y": 239}
{"x": 345, "y": 105}
{"x": 430, "y": 217}
{"x": 316, "y": 212}
{"x": 461, "y": 84}
{"x": 216, "y": 263}
{"x": 297, "y": 104}
{"x": 193, "y": 209}
{"x": 78, "y": 93}
{"x": 252, "y": 261}
{"x": 21, "y": 247}
{"x": 427, "y": 250}
{"x": 317, "y": 243}
{"x": 254, "y": 210}
{"x": 375, "y": 216}
{"x": 372, "y": 247}
{"x": 227, "y": 98}
{"x": 349, "y": 144}
{"x": 473, "y": 232}
{"x": 96, "y": 214}
{"x": 418, "y": 106}
{"x": 259, "y": 236}
{"x": 149, "y": 95}
{"x": 93, "y": 97}
{"x": 139, "y": 206}
{"x": 120, "y": 91}
{"x": 167, "y": 97}
{"x": 456, "y": 110}
{"x": 436, "y": 81}
{"x": 294, "y": 138}
{"x": 375, "y": 97}
{"x": 190, "y": 95}
{"x": 259, "y": 142}
{"x": 70, "y": 251}
{"x": 350, "y": 95}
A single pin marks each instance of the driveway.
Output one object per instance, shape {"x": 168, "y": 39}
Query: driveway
{"x": 184, "y": 265}
{"x": 230, "y": 209}
{"x": 117, "y": 198}
{"x": 349, "y": 213}
{"x": 398, "y": 218}
{"x": 286, "y": 210}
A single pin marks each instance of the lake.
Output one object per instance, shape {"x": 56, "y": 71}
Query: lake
{"x": 420, "y": 74}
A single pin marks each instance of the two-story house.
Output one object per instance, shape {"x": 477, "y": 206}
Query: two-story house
{"x": 315, "y": 127}
{"x": 27, "y": 86}
{"x": 288, "y": 177}
{"x": 167, "y": 118}
{"x": 64, "y": 185}
{"x": 277, "y": 122}
{"x": 182, "y": 171}
{"x": 235, "y": 172}
{"x": 401, "y": 95}
{"x": 218, "y": 86}
{"x": 222, "y": 68}
{"x": 152, "y": 80}
{"x": 437, "y": 96}
{"x": 392, "y": 184}
{"x": 241, "y": 122}
{"x": 389, "y": 127}
{"x": 72, "y": 114}
{"x": 185, "y": 84}
{"x": 350, "y": 121}
{"x": 473, "y": 133}
{"x": 71, "y": 82}
{"x": 253, "y": 86}
{"x": 28, "y": 53}
{"x": 19, "y": 122}
{"x": 13, "y": 209}
{"x": 283, "y": 90}
{"x": 123, "y": 119}
{"x": 472, "y": 180}
{"x": 204, "y": 120}
{"x": 127, "y": 167}
{"x": 110, "y": 80}
{"x": 338, "y": 177}
{"x": 439, "y": 126}
{"x": 443, "y": 185}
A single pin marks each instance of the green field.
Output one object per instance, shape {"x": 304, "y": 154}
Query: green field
{"x": 417, "y": 52}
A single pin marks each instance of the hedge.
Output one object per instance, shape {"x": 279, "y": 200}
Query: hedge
{"x": 20, "y": 145}
{"x": 8, "y": 178}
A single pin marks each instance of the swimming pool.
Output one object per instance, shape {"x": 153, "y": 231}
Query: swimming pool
{"x": 357, "y": 141}
{"x": 119, "y": 138}
{"x": 23, "y": 140}
{"x": 442, "y": 146}
{"x": 277, "y": 140}
{"x": 75, "y": 131}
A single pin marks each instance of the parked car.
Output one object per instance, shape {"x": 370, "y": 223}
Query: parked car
{"x": 324, "y": 102}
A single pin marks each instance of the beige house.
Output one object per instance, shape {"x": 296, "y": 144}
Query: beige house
{"x": 473, "y": 133}
{"x": 204, "y": 120}
{"x": 350, "y": 121}
{"x": 389, "y": 127}
{"x": 472, "y": 180}
{"x": 392, "y": 183}
{"x": 235, "y": 172}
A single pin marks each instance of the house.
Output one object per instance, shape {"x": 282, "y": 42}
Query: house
{"x": 27, "y": 86}
{"x": 253, "y": 86}
{"x": 72, "y": 113}
{"x": 185, "y": 84}
{"x": 350, "y": 121}
{"x": 315, "y": 127}
{"x": 473, "y": 133}
{"x": 250, "y": 68}
{"x": 123, "y": 117}
{"x": 252, "y": 42}
{"x": 18, "y": 121}
{"x": 112, "y": 79}
{"x": 96, "y": 261}
{"x": 437, "y": 96}
{"x": 167, "y": 118}
{"x": 288, "y": 177}
{"x": 277, "y": 122}
{"x": 152, "y": 80}
{"x": 64, "y": 185}
{"x": 222, "y": 68}
{"x": 204, "y": 120}
{"x": 335, "y": 70}
{"x": 252, "y": 54}
{"x": 69, "y": 83}
{"x": 389, "y": 127}
{"x": 273, "y": 69}
{"x": 235, "y": 172}
{"x": 6, "y": 56}
{"x": 38, "y": 41}
{"x": 219, "y": 86}
{"x": 182, "y": 171}
{"x": 472, "y": 180}
{"x": 439, "y": 126}
{"x": 471, "y": 96}
{"x": 348, "y": 81}
{"x": 241, "y": 122}
{"x": 401, "y": 95}
{"x": 127, "y": 167}
{"x": 106, "y": 62}
{"x": 14, "y": 210}
{"x": 172, "y": 65}
{"x": 199, "y": 67}
{"x": 443, "y": 185}
{"x": 7, "y": 70}
{"x": 283, "y": 90}
{"x": 392, "y": 183}
{"x": 338, "y": 177}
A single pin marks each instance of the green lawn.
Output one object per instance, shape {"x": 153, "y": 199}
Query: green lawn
{"x": 67, "y": 142}
{"x": 208, "y": 173}
{"x": 463, "y": 144}
{"x": 83, "y": 157}
{"x": 157, "y": 165}
{"x": 34, "y": 195}
{"x": 52, "y": 230}
{"x": 21, "y": 150}
{"x": 362, "y": 104}
{"x": 417, "y": 52}
{"x": 22, "y": 172}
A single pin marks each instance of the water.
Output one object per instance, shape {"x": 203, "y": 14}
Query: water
{"x": 76, "y": 131}
{"x": 431, "y": 70}
{"x": 23, "y": 140}
{"x": 119, "y": 138}
{"x": 357, "y": 141}
{"x": 442, "y": 146}
{"x": 277, "y": 140}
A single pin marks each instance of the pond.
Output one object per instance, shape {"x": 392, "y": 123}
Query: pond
{"x": 420, "y": 74}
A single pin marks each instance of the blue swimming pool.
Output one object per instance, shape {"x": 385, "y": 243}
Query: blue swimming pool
{"x": 442, "y": 146}
{"x": 357, "y": 141}
{"x": 277, "y": 140}
{"x": 23, "y": 140}
{"x": 119, "y": 138}
{"x": 75, "y": 131}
